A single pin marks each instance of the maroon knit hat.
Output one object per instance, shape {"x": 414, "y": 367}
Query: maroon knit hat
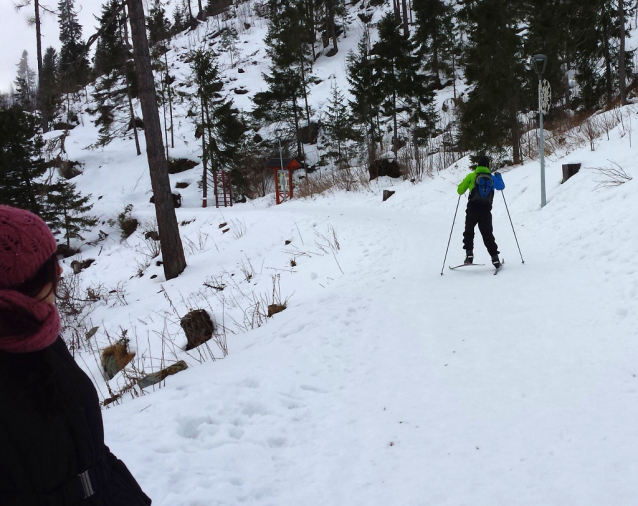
{"x": 25, "y": 244}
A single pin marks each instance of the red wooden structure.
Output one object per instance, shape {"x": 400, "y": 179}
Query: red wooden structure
{"x": 283, "y": 169}
{"x": 223, "y": 189}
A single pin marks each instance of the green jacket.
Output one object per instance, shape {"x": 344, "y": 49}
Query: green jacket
{"x": 470, "y": 180}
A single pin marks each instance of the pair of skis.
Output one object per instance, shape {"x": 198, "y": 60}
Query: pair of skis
{"x": 478, "y": 265}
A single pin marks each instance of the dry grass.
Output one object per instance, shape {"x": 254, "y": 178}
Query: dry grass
{"x": 348, "y": 179}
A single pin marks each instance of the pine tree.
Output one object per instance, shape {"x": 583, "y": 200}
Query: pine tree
{"x": 219, "y": 123}
{"x": 65, "y": 211}
{"x": 396, "y": 70}
{"x": 25, "y": 90}
{"x": 435, "y": 37}
{"x": 6, "y": 100}
{"x": 170, "y": 241}
{"x": 330, "y": 9}
{"x": 338, "y": 126}
{"x": 110, "y": 51}
{"x": 228, "y": 44}
{"x": 50, "y": 90}
{"x": 73, "y": 65}
{"x": 366, "y": 92}
{"x": 35, "y": 20}
{"x": 495, "y": 72}
{"x": 597, "y": 37}
{"x": 550, "y": 32}
{"x": 117, "y": 85}
{"x": 290, "y": 68}
{"x": 159, "y": 27}
{"x": 21, "y": 162}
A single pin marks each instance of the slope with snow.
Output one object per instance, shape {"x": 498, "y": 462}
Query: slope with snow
{"x": 383, "y": 381}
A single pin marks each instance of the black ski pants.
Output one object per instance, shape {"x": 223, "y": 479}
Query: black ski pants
{"x": 480, "y": 214}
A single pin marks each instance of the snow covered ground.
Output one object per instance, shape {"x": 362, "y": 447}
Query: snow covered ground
{"x": 384, "y": 382}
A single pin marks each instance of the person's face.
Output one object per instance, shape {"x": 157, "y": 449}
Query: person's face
{"x": 47, "y": 294}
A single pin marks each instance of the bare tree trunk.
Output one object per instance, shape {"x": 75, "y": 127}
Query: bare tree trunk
{"x": 406, "y": 27}
{"x": 170, "y": 241}
{"x": 191, "y": 21}
{"x": 39, "y": 98}
{"x": 330, "y": 12}
{"x": 204, "y": 157}
{"x": 170, "y": 100}
{"x": 128, "y": 87}
{"x": 516, "y": 141}
{"x": 395, "y": 138}
{"x": 607, "y": 57}
{"x": 304, "y": 91}
{"x": 311, "y": 21}
{"x": 294, "y": 107}
{"x": 622, "y": 77}
{"x": 132, "y": 112}
{"x": 164, "y": 114}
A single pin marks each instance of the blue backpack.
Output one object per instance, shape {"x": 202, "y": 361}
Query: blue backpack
{"x": 483, "y": 189}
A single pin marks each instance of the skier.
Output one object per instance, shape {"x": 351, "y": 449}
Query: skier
{"x": 52, "y": 437}
{"x": 481, "y": 183}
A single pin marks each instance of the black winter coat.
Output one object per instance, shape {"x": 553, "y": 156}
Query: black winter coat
{"x": 51, "y": 431}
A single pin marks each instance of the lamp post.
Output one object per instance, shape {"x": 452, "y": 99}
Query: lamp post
{"x": 540, "y": 61}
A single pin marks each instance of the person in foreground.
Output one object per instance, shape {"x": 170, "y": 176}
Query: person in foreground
{"x": 481, "y": 183}
{"x": 52, "y": 450}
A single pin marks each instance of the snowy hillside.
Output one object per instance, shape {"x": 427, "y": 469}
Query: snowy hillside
{"x": 381, "y": 382}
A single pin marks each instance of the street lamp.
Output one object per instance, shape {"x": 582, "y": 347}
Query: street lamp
{"x": 540, "y": 61}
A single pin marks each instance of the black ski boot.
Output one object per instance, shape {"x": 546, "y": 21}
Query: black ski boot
{"x": 496, "y": 261}
{"x": 469, "y": 257}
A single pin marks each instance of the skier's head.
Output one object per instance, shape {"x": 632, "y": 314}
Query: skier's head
{"x": 484, "y": 161}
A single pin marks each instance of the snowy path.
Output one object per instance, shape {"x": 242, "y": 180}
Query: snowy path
{"x": 394, "y": 385}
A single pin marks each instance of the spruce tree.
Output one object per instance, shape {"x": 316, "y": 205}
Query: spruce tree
{"x": 550, "y": 32}
{"x": 159, "y": 27}
{"x": 117, "y": 86}
{"x": 290, "y": 68}
{"x": 218, "y": 120}
{"x": 396, "y": 70}
{"x": 330, "y": 9}
{"x": 73, "y": 65}
{"x": 434, "y": 37}
{"x": 21, "y": 162}
{"x": 25, "y": 84}
{"x": 338, "y": 126}
{"x": 597, "y": 55}
{"x": 366, "y": 92}
{"x": 35, "y": 20}
{"x": 50, "y": 91}
{"x": 495, "y": 73}
{"x": 228, "y": 44}
{"x": 65, "y": 211}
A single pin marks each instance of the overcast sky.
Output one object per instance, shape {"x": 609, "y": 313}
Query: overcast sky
{"x": 16, "y": 35}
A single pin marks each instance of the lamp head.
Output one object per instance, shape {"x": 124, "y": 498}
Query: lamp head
{"x": 540, "y": 62}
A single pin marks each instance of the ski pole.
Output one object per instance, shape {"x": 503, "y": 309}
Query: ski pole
{"x": 450, "y": 239}
{"x": 508, "y": 214}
